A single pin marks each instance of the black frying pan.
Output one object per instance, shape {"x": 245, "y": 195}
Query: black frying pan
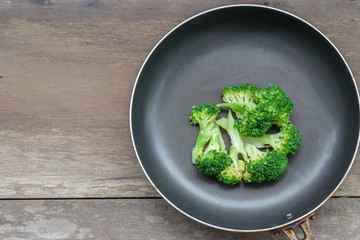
{"x": 245, "y": 44}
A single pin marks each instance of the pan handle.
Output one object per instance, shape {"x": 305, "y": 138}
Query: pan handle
{"x": 304, "y": 225}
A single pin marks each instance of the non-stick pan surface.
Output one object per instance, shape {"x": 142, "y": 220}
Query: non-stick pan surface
{"x": 234, "y": 45}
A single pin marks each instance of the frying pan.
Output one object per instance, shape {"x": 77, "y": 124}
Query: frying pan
{"x": 245, "y": 44}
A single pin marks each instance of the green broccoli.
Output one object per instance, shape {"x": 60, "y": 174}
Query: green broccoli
{"x": 244, "y": 93}
{"x": 214, "y": 159}
{"x": 274, "y": 100}
{"x": 236, "y": 141}
{"x": 264, "y": 166}
{"x": 240, "y": 98}
{"x": 255, "y": 123}
{"x": 273, "y": 107}
{"x": 288, "y": 140}
{"x": 257, "y": 110}
{"x": 232, "y": 174}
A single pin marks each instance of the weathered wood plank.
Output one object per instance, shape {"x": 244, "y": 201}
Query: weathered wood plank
{"x": 67, "y": 70}
{"x": 338, "y": 219}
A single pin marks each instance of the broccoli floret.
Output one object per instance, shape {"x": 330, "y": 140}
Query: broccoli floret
{"x": 212, "y": 162}
{"x": 214, "y": 159}
{"x": 281, "y": 119}
{"x": 244, "y": 93}
{"x": 204, "y": 113}
{"x": 274, "y": 94}
{"x": 276, "y": 103}
{"x": 232, "y": 174}
{"x": 255, "y": 123}
{"x": 239, "y": 99}
{"x": 257, "y": 110}
{"x": 264, "y": 166}
{"x": 288, "y": 140}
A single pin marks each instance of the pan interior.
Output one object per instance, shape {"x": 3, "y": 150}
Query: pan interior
{"x": 238, "y": 45}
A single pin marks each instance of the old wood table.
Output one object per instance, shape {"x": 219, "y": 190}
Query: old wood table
{"x": 68, "y": 168}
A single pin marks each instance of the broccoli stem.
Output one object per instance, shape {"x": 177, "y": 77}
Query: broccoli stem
{"x": 234, "y": 155}
{"x": 253, "y": 152}
{"x": 202, "y": 139}
{"x": 237, "y": 142}
{"x": 238, "y": 108}
{"x": 264, "y": 141}
{"x": 216, "y": 141}
{"x": 208, "y": 133}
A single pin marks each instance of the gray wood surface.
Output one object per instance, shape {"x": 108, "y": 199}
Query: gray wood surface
{"x": 67, "y": 69}
{"x": 148, "y": 219}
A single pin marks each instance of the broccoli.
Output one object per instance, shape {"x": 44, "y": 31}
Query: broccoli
{"x": 255, "y": 123}
{"x": 288, "y": 140}
{"x": 274, "y": 94}
{"x": 257, "y": 109}
{"x": 232, "y": 174}
{"x": 254, "y": 156}
{"x": 260, "y": 166}
{"x": 236, "y": 141}
{"x": 214, "y": 159}
{"x": 273, "y": 107}
{"x": 240, "y": 98}
{"x": 264, "y": 166}
{"x": 278, "y": 105}
{"x": 244, "y": 93}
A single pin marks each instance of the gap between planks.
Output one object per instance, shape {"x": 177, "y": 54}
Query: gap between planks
{"x": 113, "y": 198}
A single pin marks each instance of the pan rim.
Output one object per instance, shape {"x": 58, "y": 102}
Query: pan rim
{"x": 215, "y": 9}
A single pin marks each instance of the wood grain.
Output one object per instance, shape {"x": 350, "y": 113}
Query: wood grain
{"x": 149, "y": 219}
{"x": 67, "y": 70}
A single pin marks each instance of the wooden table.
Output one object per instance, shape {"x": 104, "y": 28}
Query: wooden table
{"x": 68, "y": 167}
